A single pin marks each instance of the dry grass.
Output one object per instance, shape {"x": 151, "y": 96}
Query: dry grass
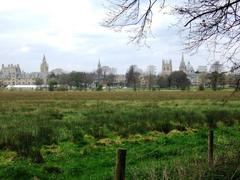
{"x": 144, "y": 95}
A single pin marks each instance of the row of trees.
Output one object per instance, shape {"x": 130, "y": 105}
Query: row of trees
{"x": 135, "y": 78}
{"x": 177, "y": 80}
{"x": 151, "y": 80}
{"x": 79, "y": 80}
{"x": 211, "y": 24}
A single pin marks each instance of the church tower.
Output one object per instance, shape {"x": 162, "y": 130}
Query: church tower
{"x": 182, "y": 66}
{"x": 99, "y": 72}
{"x": 166, "y": 67}
{"x": 44, "y": 70}
{"x": 44, "y": 65}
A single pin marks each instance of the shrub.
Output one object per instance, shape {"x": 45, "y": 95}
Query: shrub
{"x": 99, "y": 87}
{"x": 201, "y": 87}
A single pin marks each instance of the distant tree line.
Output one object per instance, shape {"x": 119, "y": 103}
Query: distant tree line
{"x": 79, "y": 81}
{"x": 177, "y": 80}
{"x": 136, "y": 79}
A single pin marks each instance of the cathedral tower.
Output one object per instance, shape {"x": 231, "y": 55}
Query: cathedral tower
{"x": 44, "y": 70}
{"x": 99, "y": 72}
{"x": 44, "y": 65}
{"x": 166, "y": 67}
{"x": 182, "y": 66}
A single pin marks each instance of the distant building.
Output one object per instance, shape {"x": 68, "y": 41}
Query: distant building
{"x": 166, "y": 67}
{"x": 182, "y": 66}
{"x": 120, "y": 80}
{"x": 13, "y": 75}
{"x": 202, "y": 69}
{"x": 106, "y": 70}
{"x": 201, "y": 75}
{"x": 44, "y": 66}
{"x": 191, "y": 75}
{"x": 216, "y": 67}
{"x": 189, "y": 71}
{"x": 99, "y": 74}
{"x": 57, "y": 71}
{"x": 102, "y": 72}
{"x": 44, "y": 70}
{"x": 10, "y": 71}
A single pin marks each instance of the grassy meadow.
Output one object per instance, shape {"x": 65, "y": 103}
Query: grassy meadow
{"x": 75, "y": 135}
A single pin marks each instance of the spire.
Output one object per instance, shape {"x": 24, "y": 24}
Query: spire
{"x": 182, "y": 57}
{"x": 189, "y": 68}
{"x": 44, "y": 58}
{"x": 99, "y": 64}
{"x": 44, "y": 65}
{"x": 182, "y": 66}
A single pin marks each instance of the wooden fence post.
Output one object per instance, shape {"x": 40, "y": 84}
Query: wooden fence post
{"x": 210, "y": 147}
{"x": 120, "y": 164}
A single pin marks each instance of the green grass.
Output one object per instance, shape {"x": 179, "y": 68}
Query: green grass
{"x": 77, "y": 138}
{"x": 147, "y": 155}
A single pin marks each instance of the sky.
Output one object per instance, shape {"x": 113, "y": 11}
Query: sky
{"x": 70, "y": 34}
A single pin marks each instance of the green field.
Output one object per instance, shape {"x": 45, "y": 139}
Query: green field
{"x": 75, "y": 135}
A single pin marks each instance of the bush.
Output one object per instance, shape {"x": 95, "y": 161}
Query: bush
{"x": 99, "y": 87}
{"x": 201, "y": 87}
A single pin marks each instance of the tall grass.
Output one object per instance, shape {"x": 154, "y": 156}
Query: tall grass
{"x": 37, "y": 120}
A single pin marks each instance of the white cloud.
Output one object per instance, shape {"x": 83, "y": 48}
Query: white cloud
{"x": 68, "y": 31}
{"x": 66, "y": 18}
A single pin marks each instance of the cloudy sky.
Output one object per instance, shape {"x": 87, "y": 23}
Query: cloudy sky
{"x": 68, "y": 32}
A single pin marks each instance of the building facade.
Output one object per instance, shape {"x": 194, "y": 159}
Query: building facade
{"x": 166, "y": 67}
{"x": 44, "y": 70}
{"x": 13, "y": 75}
{"x": 189, "y": 71}
{"x": 216, "y": 67}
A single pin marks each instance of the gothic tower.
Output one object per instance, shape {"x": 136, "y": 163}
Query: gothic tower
{"x": 166, "y": 67}
{"x": 44, "y": 70}
{"x": 44, "y": 65}
{"x": 182, "y": 66}
{"x": 99, "y": 72}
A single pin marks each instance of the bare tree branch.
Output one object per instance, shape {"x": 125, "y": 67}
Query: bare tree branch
{"x": 215, "y": 23}
{"x": 135, "y": 13}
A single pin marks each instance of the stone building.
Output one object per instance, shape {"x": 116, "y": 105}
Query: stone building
{"x": 189, "y": 70}
{"x": 44, "y": 65}
{"x": 102, "y": 72}
{"x": 44, "y": 70}
{"x": 166, "y": 67}
{"x": 13, "y": 75}
{"x": 216, "y": 67}
{"x": 202, "y": 69}
{"x": 191, "y": 75}
{"x": 182, "y": 66}
{"x": 99, "y": 74}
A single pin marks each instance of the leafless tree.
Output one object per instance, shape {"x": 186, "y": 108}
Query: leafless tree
{"x": 211, "y": 22}
{"x": 214, "y": 23}
{"x": 151, "y": 76}
{"x": 135, "y": 13}
{"x": 133, "y": 77}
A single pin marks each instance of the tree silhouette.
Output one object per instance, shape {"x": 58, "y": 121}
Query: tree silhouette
{"x": 208, "y": 22}
{"x": 132, "y": 77}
